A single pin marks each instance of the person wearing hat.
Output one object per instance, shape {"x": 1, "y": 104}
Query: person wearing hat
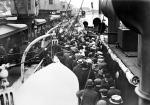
{"x": 82, "y": 71}
{"x": 106, "y": 75}
{"x": 74, "y": 49}
{"x": 100, "y": 59}
{"x": 68, "y": 60}
{"x": 97, "y": 85}
{"x": 110, "y": 81}
{"x": 66, "y": 48}
{"x": 102, "y": 65}
{"x": 93, "y": 48}
{"x": 113, "y": 91}
{"x": 88, "y": 95}
{"x": 101, "y": 102}
{"x": 85, "y": 23}
{"x": 105, "y": 84}
{"x": 115, "y": 100}
{"x": 99, "y": 53}
{"x": 74, "y": 63}
{"x": 97, "y": 82}
{"x": 95, "y": 68}
{"x": 96, "y": 23}
{"x": 100, "y": 74}
{"x": 103, "y": 91}
{"x": 105, "y": 70}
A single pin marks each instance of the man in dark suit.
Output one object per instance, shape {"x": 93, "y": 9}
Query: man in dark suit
{"x": 82, "y": 71}
{"x": 88, "y": 95}
{"x": 113, "y": 91}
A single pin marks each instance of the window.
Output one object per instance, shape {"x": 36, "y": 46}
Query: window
{"x": 29, "y": 4}
{"x": 50, "y": 1}
{"x": 63, "y": 6}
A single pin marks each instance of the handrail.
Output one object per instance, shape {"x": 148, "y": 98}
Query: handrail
{"x": 35, "y": 41}
{"x": 29, "y": 46}
{"x": 134, "y": 80}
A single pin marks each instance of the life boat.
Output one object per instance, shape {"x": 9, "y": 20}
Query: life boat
{"x": 53, "y": 85}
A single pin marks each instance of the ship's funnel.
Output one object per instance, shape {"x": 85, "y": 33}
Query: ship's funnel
{"x": 133, "y": 13}
{"x": 52, "y": 85}
{"x": 106, "y": 7}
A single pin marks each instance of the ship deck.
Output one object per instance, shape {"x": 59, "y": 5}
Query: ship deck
{"x": 130, "y": 62}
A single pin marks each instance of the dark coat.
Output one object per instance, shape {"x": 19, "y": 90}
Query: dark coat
{"x": 89, "y": 96}
{"x": 82, "y": 75}
{"x": 113, "y": 91}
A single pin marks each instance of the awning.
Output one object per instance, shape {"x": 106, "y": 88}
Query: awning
{"x": 10, "y": 29}
{"x": 39, "y": 21}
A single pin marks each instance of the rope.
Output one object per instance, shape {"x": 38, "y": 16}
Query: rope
{"x": 16, "y": 54}
{"x": 68, "y": 6}
{"x": 27, "y": 60}
{"x": 80, "y": 8}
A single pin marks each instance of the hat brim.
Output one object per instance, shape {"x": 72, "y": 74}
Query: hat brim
{"x": 89, "y": 85}
{"x": 98, "y": 86}
{"x": 110, "y": 100}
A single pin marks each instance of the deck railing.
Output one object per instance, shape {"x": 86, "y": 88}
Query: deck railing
{"x": 134, "y": 80}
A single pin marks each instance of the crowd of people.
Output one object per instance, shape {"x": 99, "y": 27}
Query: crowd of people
{"x": 82, "y": 52}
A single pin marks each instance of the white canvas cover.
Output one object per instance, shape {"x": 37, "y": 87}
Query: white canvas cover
{"x": 52, "y": 85}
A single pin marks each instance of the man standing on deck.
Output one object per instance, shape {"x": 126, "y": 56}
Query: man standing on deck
{"x": 83, "y": 71}
{"x": 99, "y": 26}
{"x": 88, "y": 95}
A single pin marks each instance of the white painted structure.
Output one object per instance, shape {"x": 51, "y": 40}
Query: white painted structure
{"x": 52, "y": 85}
{"x": 25, "y": 7}
{"x": 49, "y": 4}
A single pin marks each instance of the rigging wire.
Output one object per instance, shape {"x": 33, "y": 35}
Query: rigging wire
{"x": 31, "y": 58}
{"x": 76, "y": 16}
{"x": 9, "y": 54}
{"x": 68, "y": 6}
{"x": 27, "y": 60}
{"x": 80, "y": 8}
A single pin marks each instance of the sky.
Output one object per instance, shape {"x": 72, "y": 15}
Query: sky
{"x": 86, "y": 3}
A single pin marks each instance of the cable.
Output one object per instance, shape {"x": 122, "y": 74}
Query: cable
{"x": 32, "y": 57}
{"x": 80, "y": 7}
{"x": 9, "y": 54}
{"x": 27, "y": 60}
{"x": 68, "y": 6}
